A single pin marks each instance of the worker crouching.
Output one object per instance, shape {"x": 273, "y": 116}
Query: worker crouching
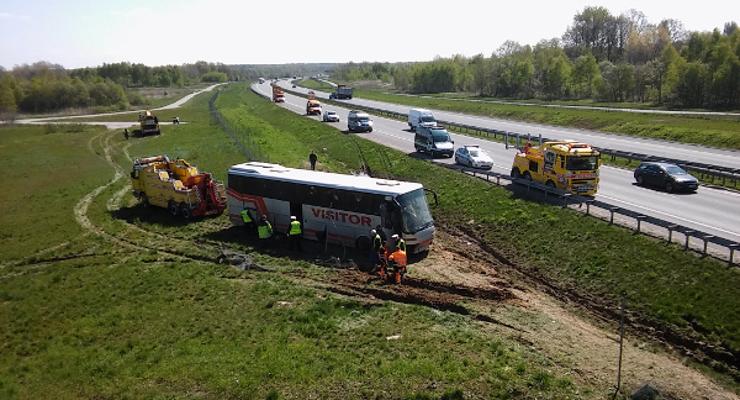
{"x": 264, "y": 231}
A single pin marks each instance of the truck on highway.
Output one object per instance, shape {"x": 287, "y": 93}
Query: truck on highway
{"x": 333, "y": 208}
{"x": 278, "y": 96}
{"x": 177, "y": 186}
{"x": 568, "y": 165}
{"x": 342, "y": 92}
{"x": 421, "y": 117}
{"x": 149, "y": 123}
{"x": 313, "y": 107}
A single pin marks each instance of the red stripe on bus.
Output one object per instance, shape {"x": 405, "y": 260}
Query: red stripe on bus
{"x": 259, "y": 202}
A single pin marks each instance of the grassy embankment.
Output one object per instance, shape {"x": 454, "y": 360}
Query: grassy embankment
{"x": 697, "y": 297}
{"x": 123, "y": 308}
{"x": 157, "y": 97}
{"x": 723, "y": 132}
{"x": 315, "y": 85}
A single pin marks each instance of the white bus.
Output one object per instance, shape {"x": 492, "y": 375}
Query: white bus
{"x": 338, "y": 208}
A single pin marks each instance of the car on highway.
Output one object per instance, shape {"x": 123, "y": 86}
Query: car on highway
{"x": 359, "y": 121}
{"x": 330, "y": 116}
{"x": 433, "y": 140}
{"x": 474, "y": 157}
{"x": 667, "y": 176}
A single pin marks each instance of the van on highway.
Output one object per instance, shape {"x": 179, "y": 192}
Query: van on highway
{"x": 420, "y": 116}
{"x": 359, "y": 121}
{"x": 434, "y": 140}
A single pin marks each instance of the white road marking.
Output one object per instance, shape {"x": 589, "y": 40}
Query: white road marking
{"x": 670, "y": 215}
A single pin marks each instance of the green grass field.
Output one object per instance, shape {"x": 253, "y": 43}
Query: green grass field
{"x": 723, "y": 132}
{"x": 121, "y": 302}
{"x": 697, "y": 297}
{"x": 316, "y": 85}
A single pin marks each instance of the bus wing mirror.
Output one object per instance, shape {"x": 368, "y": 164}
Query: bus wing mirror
{"x": 434, "y": 194}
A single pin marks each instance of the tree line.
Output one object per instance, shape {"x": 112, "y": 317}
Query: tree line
{"x": 46, "y": 87}
{"x": 600, "y": 56}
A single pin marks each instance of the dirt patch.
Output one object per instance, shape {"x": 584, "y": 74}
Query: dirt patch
{"x": 459, "y": 277}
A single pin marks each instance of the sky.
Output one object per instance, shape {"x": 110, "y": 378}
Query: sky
{"x": 86, "y": 33}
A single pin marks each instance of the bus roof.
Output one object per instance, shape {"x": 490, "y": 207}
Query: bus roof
{"x": 360, "y": 183}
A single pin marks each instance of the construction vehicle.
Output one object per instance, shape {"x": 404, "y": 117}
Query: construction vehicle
{"x": 342, "y": 92}
{"x": 278, "y": 96}
{"x": 568, "y": 165}
{"x": 149, "y": 123}
{"x": 177, "y": 186}
{"x": 313, "y": 106}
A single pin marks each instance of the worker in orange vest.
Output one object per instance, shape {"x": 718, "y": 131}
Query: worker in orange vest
{"x": 397, "y": 263}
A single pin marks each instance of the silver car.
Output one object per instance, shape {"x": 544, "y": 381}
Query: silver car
{"x": 474, "y": 157}
{"x": 330, "y": 116}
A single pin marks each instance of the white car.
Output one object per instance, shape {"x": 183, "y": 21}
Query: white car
{"x": 474, "y": 157}
{"x": 330, "y": 116}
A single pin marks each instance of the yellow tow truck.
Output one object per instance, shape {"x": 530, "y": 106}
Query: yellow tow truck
{"x": 177, "y": 186}
{"x": 568, "y": 165}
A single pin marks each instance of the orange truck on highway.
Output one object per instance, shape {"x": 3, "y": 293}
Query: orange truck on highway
{"x": 278, "y": 96}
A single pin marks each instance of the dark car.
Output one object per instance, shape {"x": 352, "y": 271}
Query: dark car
{"x": 670, "y": 177}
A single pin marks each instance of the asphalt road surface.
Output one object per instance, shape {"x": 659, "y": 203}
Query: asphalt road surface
{"x": 687, "y": 152}
{"x": 714, "y": 211}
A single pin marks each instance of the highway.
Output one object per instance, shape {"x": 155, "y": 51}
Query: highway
{"x": 714, "y": 211}
{"x": 688, "y": 152}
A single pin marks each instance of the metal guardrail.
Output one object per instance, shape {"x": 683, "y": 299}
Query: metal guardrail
{"x": 568, "y": 198}
{"x": 724, "y": 175}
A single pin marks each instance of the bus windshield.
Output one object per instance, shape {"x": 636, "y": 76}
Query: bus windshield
{"x": 415, "y": 211}
{"x": 581, "y": 163}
